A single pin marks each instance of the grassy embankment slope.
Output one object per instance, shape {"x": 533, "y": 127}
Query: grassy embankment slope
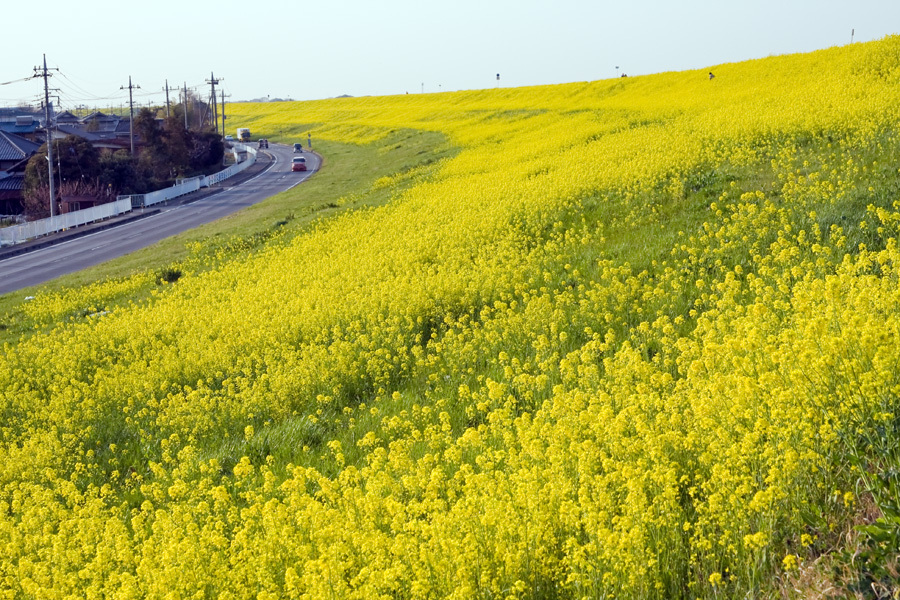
{"x": 631, "y": 338}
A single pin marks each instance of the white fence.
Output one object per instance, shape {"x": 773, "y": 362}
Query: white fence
{"x": 20, "y": 233}
{"x": 237, "y": 167}
{"x": 33, "y": 229}
{"x": 185, "y": 186}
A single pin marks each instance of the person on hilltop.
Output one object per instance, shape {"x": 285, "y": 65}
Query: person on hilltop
{"x": 711, "y": 76}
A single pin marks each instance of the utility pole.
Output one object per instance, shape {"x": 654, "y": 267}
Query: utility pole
{"x": 43, "y": 72}
{"x": 185, "y": 107}
{"x": 212, "y": 81}
{"x": 131, "y": 109}
{"x": 167, "y": 98}
{"x": 223, "y": 112}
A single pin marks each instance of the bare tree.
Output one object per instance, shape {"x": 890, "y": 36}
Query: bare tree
{"x": 36, "y": 202}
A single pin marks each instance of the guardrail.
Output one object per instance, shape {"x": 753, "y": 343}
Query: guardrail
{"x": 185, "y": 186}
{"x": 236, "y": 168}
{"x": 17, "y": 234}
{"x": 32, "y": 229}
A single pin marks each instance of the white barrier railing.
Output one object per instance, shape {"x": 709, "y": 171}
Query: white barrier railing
{"x": 25, "y": 231}
{"x": 185, "y": 186}
{"x": 236, "y": 168}
{"x": 17, "y": 234}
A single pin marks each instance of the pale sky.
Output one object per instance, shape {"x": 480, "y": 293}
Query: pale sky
{"x": 325, "y": 48}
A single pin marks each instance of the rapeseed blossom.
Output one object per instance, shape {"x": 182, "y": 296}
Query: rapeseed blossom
{"x": 621, "y": 344}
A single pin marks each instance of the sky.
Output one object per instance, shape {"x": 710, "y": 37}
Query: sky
{"x": 326, "y": 48}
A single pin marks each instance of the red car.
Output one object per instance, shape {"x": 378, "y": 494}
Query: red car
{"x": 298, "y": 164}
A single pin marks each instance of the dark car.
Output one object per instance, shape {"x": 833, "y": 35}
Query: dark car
{"x": 298, "y": 147}
{"x": 263, "y": 143}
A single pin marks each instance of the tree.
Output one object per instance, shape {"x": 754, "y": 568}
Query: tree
{"x": 154, "y": 156}
{"x": 179, "y": 143}
{"x": 207, "y": 151}
{"x": 197, "y": 110}
{"x": 167, "y": 150}
{"x": 75, "y": 161}
{"x": 118, "y": 171}
{"x": 35, "y": 201}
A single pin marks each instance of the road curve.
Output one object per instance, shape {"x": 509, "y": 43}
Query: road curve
{"x": 44, "y": 264}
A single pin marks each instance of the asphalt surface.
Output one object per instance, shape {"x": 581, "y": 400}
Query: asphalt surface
{"x": 44, "y": 259}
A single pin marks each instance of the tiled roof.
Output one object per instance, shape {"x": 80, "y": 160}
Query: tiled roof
{"x": 91, "y": 136}
{"x": 11, "y": 127}
{"x": 7, "y": 113}
{"x": 97, "y": 125}
{"x": 12, "y": 183}
{"x": 99, "y": 116}
{"x": 79, "y": 130}
{"x": 66, "y": 117}
{"x": 14, "y": 147}
{"x": 20, "y": 120}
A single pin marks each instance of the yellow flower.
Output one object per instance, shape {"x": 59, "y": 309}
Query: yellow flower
{"x": 790, "y": 562}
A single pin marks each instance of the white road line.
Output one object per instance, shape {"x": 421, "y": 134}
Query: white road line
{"x": 233, "y": 193}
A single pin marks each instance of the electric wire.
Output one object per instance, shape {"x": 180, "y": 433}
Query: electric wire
{"x": 75, "y": 93}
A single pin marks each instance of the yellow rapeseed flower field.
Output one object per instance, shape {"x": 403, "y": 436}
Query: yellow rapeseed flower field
{"x": 637, "y": 338}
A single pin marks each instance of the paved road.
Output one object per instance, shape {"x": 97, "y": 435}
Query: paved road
{"x": 72, "y": 255}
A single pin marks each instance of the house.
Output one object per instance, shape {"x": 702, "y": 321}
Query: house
{"x": 27, "y": 126}
{"x": 102, "y": 140}
{"x": 15, "y": 151}
{"x": 22, "y": 132}
{"x": 24, "y": 121}
{"x": 11, "y": 197}
{"x": 105, "y": 132}
{"x": 69, "y": 204}
{"x": 98, "y": 122}
{"x": 66, "y": 117}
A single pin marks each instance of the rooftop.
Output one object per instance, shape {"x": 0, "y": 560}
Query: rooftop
{"x": 14, "y": 147}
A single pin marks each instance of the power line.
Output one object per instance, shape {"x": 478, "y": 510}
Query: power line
{"x": 78, "y": 88}
{"x": 76, "y": 95}
{"x": 17, "y": 80}
{"x": 76, "y": 91}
